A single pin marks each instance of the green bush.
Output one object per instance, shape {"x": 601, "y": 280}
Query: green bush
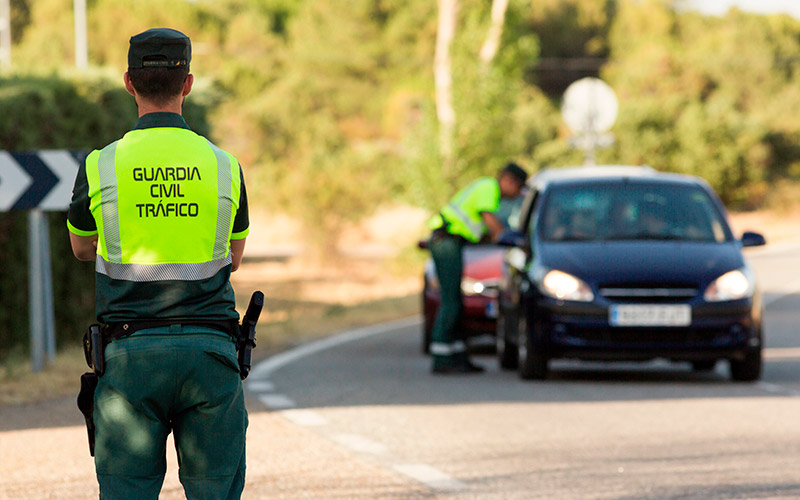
{"x": 57, "y": 113}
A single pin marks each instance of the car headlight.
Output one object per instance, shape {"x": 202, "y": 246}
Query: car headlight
{"x": 563, "y": 286}
{"x": 470, "y": 286}
{"x": 732, "y": 285}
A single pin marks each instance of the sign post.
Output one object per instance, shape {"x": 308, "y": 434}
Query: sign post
{"x": 590, "y": 109}
{"x": 39, "y": 181}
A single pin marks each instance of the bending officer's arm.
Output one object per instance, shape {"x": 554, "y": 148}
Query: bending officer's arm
{"x": 493, "y": 224}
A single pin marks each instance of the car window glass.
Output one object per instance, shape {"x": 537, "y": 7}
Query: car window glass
{"x": 630, "y": 211}
{"x": 509, "y": 211}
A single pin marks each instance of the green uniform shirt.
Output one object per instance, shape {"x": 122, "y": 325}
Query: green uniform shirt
{"x": 173, "y": 297}
{"x": 462, "y": 216}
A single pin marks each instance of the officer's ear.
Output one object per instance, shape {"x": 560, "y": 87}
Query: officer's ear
{"x": 128, "y": 84}
{"x": 187, "y": 85}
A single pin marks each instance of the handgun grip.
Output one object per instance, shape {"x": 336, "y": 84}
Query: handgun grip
{"x": 254, "y": 308}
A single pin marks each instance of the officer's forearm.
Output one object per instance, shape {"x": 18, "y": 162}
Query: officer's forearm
{"x": 84, "y": 247}
{"x": 237, "y": 251}
{"x": 493, "y": 225}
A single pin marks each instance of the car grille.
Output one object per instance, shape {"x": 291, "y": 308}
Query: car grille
{"x": 655, "y": 294}
{"x": 684, "y": 336}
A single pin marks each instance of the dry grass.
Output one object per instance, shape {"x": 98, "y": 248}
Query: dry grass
{"x": 302, "y": 303}
{"x": 18, "y": 383}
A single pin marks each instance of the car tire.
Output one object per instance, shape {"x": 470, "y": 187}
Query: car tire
{"x": 427, "y": 335}
{"x": 507, "y": 353}
{"x": 427, "y": 321}
{"x": 533, "y": 364}
{"x": 704, "y": 366}
{"x": 747, "y": 369}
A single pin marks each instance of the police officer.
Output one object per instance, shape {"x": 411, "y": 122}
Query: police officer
{"x": 465, "y": 219}
{"x": 163, "y": 212}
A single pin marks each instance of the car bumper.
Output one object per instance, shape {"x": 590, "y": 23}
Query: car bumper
{"x": 576, "y": 330}
{"x": 479, "y": 316}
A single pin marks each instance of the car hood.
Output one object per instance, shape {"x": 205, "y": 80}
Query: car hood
{"x": 642, "y": 262}
{"x": 483, "y": 262}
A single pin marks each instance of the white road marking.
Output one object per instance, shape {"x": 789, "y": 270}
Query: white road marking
{"x": 777, "y": 389}
{"x": 259, "y": 386}
{"x": 305, "y": 418}
{"x": 360, "y": 444}
{"x": 264, "y": 369}
{"x": 430, "y": 476}
{"x": 277, "y": 401}
{"x": 782, "y": 353}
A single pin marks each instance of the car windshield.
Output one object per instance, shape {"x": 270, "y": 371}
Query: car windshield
{"x": 606, "y": 211}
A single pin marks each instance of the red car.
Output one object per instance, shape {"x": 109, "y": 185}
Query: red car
{"x": 483, "y": 268}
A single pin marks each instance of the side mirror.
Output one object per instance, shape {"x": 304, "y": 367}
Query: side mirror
{"x": 750, "y": 239}
{"x": 512, "y": 239}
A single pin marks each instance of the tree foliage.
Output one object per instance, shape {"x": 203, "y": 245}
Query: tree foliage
{"x": 331, "y": 109}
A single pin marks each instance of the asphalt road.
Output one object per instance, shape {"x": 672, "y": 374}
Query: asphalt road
{"x": 359, "y": 416}
{"x": 593, "y": 431}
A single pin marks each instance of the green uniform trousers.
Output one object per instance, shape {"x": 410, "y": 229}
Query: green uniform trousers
{"x": 447, "y": 340}
{"x": 179, "y": 379}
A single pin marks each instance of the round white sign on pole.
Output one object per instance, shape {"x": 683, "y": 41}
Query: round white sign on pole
{"x": 590, "y": 106}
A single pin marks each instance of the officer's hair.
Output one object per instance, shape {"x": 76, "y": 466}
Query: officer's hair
{"x": 159, "y": 85}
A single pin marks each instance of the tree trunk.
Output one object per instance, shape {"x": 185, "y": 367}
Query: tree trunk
{"x": 444, "y": 79}
{"x": 492, "y": 43}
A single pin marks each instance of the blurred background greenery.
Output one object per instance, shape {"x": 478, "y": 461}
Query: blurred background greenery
{"x": 330, "y": 105}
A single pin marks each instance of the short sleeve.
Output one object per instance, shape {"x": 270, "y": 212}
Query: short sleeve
{"x": 487, "y": 196}
{"x": 79, "y": 218}
{"x": 241, "y": 223}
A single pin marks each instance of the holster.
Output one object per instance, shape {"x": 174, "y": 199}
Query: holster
{"x": 94, "y": 350}
{"x": 86, "y": 404}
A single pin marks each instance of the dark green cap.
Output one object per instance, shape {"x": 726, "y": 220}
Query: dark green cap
{"x": 515, "y": 171}
{"x": 159, "y": 48}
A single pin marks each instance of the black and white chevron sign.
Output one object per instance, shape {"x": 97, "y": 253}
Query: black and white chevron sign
{"x": 39, "y": 179}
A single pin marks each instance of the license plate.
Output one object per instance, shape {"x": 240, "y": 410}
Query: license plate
{"x": 650, "y": 315}
{"x": 491, "y": 309}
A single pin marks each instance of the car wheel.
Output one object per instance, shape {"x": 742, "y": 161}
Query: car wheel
{"x": 427, "y": 322}
{"x": 704, "y": 366}
{"x": 747, "y": 369}
{"x": 427, "y": 335}
{"x": 507, "y": 353}
{"x": 533, "y": 364}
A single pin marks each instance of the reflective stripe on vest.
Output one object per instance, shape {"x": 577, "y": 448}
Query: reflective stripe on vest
{"x": 453, "y": 210}
{"x": 475, "y": 228}
{"x": 224, "y": 214}
{"x": 173, "y": 245}
{"x": 161, "y": 272}
{"x": 108, "y": 192}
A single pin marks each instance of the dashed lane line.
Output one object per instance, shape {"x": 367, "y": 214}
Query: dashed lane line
{"x": 360, "y": 444}
{"x": 259, "y": 386}
{"x": 306, "y": 418}
{"x": 277, "y": 401}
{"x": 430, "y": 476}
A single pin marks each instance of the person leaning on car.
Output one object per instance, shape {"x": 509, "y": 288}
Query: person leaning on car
{"x": 468, "y": 216}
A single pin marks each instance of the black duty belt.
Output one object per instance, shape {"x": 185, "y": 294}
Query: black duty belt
{"x": 441, "y": 232}
{"x": 121, "y": 329}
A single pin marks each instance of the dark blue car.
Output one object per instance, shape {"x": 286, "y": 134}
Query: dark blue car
{"x": 626, "y": 263}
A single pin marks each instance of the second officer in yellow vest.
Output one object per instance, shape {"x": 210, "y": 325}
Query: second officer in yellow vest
{"x": 465, "y": 219}
{"x": 163, "y": 212}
